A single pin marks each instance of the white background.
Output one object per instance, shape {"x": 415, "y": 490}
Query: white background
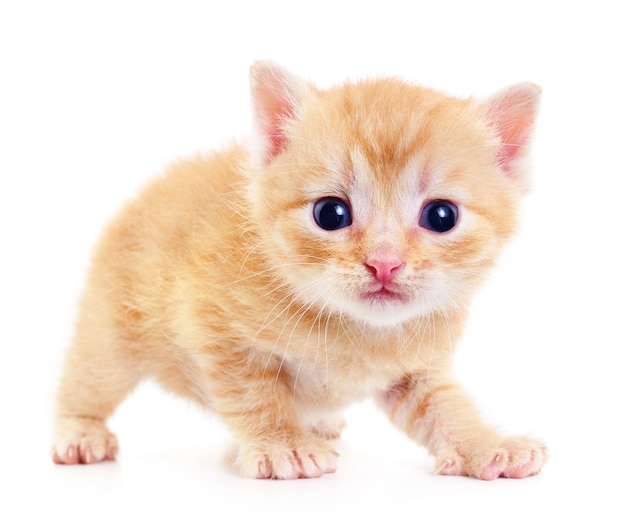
{"x": 96, "y": 97}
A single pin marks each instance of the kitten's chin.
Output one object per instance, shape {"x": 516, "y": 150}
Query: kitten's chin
{"x": 384, "y": 296}
{"x": 384, "y": 308}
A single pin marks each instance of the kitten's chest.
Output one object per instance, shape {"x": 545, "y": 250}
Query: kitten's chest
{"x": 343, "y": 363}
{"x": 322, "y": 384}
{"x": 340, "y": 378}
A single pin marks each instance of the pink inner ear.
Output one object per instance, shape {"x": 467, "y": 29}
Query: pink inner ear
{"x": 512, "y": 114}
{"x": 274, "y": 116}
{"x": 278, "y": 142}
{"x": 515, "y": 137}
{"x": 276, "y": 94}
{"x": 509, "y": 152}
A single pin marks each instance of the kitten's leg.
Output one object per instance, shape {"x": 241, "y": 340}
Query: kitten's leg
{"x": 328, "y": 428}
{"x": 438, "y": 414}
{"x": 258, "y": 406}
{"x": 96, "y": 378}
{"x": 321, "y": 421}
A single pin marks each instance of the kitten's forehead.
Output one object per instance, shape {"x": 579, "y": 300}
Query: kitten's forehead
{"x": 388, "y": 200}
{"x": 395, "y": 198}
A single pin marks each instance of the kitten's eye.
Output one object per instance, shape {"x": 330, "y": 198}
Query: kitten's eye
{"x": 439, "y": 216}
{"x": 331, "y": 213}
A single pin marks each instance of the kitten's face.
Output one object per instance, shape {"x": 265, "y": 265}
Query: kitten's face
{"x": 384, "y": 202}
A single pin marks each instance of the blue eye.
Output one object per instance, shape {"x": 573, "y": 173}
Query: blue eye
{"x": 439, "y": 216}
{"x": 331, "y": 213}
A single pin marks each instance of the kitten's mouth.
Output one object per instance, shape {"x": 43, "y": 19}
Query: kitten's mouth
{"x": 384, "y": 295}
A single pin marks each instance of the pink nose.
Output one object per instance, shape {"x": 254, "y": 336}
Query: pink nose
{"x": 384, "y": 269}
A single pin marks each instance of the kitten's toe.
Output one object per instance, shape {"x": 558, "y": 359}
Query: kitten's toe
{"x": 449, "y": 463}
{"x": 306, "y": 459}
{"x": 526, "y": 457}
{"x": 89, "y": 445}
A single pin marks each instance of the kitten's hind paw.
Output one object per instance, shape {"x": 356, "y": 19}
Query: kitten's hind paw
{"x": 513, "y": 458}
{"x": 85, "y": 442}
{"x": 308, "y": 458}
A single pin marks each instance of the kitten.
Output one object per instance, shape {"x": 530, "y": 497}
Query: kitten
{"x": 331, "y": 259}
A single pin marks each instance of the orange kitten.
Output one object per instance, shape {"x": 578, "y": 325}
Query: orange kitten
{"x": 331, "y": 259}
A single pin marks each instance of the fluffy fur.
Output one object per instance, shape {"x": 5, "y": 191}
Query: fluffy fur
{"x": 218, "y": 282}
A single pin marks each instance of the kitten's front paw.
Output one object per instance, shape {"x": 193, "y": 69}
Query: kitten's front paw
{"x": 513, "y": 458}
{"x": 308, "y": 458}
{"x": 83, "y": 443}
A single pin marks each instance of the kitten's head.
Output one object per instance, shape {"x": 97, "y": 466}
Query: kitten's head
{"x": 384, "y": 201}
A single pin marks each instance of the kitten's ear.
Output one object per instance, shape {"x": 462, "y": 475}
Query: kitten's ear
{"x": 276, "y": 98}
{"x": 512, "y": 114}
